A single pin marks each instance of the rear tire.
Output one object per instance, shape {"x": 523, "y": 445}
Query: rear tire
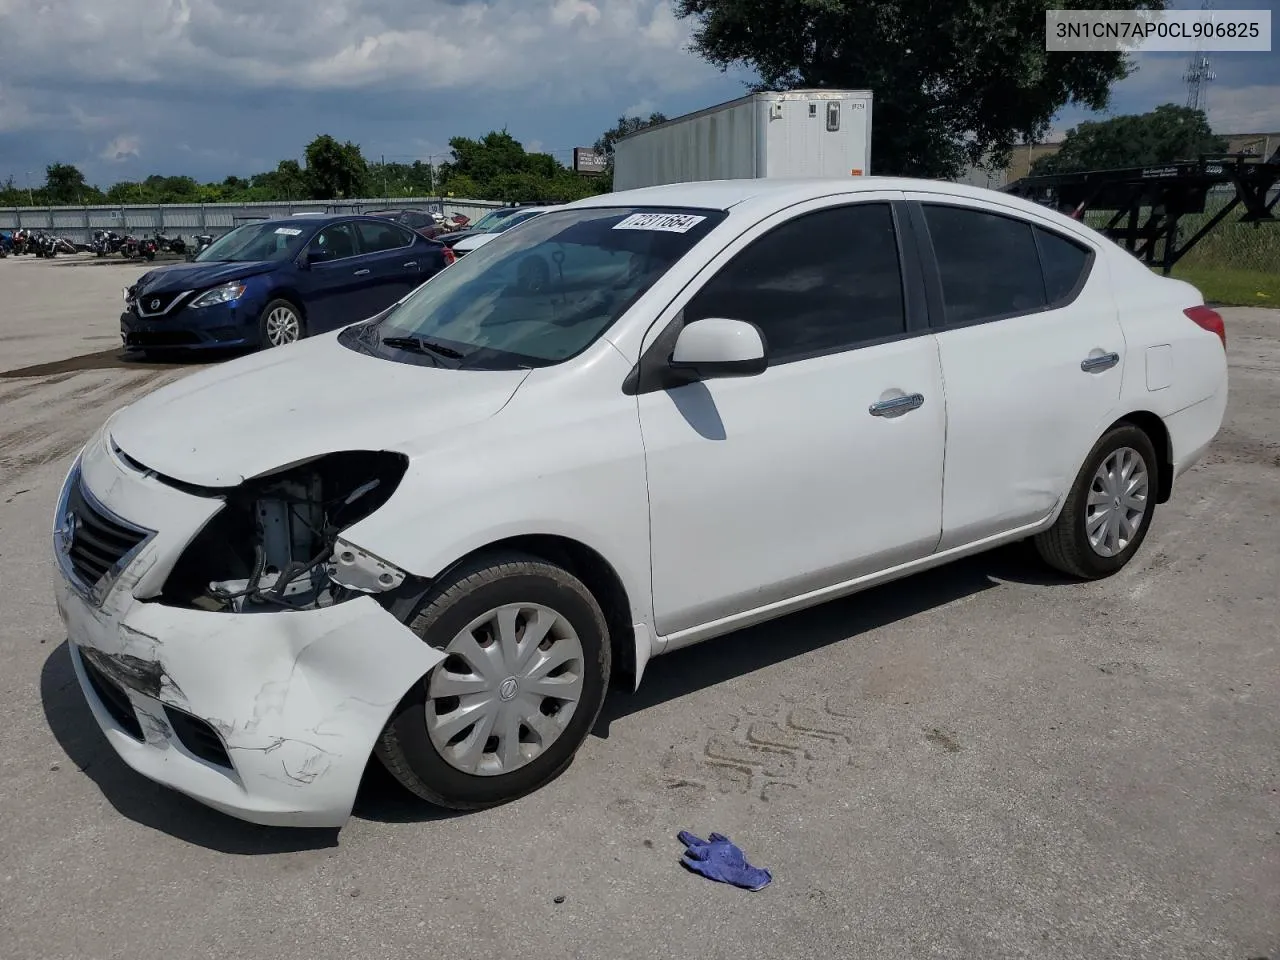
{"x": 1108, "y": 512}
{"x": 522, "y": 737}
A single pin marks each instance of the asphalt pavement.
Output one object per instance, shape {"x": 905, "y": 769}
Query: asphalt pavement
{"x": 979, "y": 762}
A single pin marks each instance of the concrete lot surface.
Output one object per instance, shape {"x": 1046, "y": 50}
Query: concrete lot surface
{"x": 981, "y": 762}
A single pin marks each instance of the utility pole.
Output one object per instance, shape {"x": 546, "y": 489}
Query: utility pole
{"x": 31, "y": 197}
{"x": 383, "y": 158}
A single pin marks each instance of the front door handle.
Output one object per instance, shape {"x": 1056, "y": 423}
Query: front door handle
{"x": 363, "y": 273}
{"x": 1098, "y": 364}
{"x": 887, "y": 408}
{"x": 411, "y": 263}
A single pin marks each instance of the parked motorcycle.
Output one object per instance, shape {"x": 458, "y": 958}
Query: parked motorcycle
{"x": 128, "y": 246}
{"x": 106, "y": 242}
{"x": 167, "y": 244}
{"x": 203, "y": 242}
{"x": 147, "y": 248}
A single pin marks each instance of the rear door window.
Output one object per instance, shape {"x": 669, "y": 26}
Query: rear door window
{"x": 988, "y": 264}
{"x": 378, "y": 237}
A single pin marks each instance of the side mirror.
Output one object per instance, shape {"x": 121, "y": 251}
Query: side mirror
{"x": 315, "y": 255}
{"x": 714, "y": 347}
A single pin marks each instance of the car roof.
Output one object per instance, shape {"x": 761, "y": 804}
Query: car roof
{"x": 784, "y": 192}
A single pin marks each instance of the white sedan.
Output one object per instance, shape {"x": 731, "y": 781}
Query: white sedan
{"x": 628, "y": 425}
{"x": 479, "y": 239}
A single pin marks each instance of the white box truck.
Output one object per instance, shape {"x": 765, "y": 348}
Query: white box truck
{"x": 799, "y": 133}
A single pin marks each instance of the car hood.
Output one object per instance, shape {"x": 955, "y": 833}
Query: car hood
{"x": 198, "y": 276}
{"x": 479, "y": 240}
{"x": 287, "y": 405}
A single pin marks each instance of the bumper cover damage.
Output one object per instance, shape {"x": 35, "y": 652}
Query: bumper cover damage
{"x": 295, "y": 698}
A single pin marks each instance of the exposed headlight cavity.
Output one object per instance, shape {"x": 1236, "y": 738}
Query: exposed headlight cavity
{"x": 276, "y": 544}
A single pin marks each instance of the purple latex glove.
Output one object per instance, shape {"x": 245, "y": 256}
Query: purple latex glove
{"x": 718, "y": 859}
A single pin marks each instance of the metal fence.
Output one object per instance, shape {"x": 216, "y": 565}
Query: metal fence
{"x": 77, "y": 224}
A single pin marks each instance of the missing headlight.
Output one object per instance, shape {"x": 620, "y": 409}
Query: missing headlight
{"x": 272, "y": 545}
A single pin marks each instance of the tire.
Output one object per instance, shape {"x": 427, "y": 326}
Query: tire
{"x": 410, "y": 751}
{"x": 1067, "y": 545}
{"x": 272, "y": 315}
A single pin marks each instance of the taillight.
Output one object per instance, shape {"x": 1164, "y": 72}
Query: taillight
{"x": 1208, "y": 319}
{"x": 449, "y": 256}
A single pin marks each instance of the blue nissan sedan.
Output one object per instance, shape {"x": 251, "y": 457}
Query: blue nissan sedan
{"x": 272, "y": 282}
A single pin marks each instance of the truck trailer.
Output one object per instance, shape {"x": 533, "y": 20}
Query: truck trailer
{"x": 797, "y": 133}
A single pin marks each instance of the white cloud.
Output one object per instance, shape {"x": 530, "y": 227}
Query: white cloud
{"x": 1253, "y": 109}
{"x": 575, "y": 47}
{"x": 122, "y": 148}
{"x": 640, "y": 109}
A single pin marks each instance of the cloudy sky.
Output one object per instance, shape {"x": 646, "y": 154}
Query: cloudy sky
{"x": 124, "y": 88}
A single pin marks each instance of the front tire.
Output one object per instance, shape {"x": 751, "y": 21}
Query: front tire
{"x": 281, "y": 323}
{"x": 524, "y": 680}
{"x": 1108, "y": 512}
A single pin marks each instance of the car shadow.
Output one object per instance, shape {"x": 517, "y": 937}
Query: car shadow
{"x": 706, "y": 664}
{"x": 118, "y": 358}
{"x": 382, "y": 799}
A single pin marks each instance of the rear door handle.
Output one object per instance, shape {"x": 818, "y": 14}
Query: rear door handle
{"x": 412, "y": 263}
{"x": 363, "y": 273}
{"x": 1098, "y": 364}
{"x": 887, "y": 408}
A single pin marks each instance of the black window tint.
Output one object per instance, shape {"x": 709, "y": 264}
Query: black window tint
{"x": 988, "y": 264}
{"x": 1063, "y": 262}
{"x": 821, "y": 282}
{"x": 376, "y": 237}
{"x": 415, "y": 220}
{"x": 335, "y": 241}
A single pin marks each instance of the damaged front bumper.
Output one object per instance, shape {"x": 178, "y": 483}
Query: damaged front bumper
{"x": 268, "y": 716}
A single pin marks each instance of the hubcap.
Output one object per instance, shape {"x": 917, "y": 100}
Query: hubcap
{"x": 1117, "y": 502}
{"x": 508, "y": 687}
{"x": 282, "y": 326}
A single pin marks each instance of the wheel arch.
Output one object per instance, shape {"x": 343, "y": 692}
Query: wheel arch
{"x": 597, "y": 574}
{"x": 1154, "y": 427}
{"x": 285, "y": 292}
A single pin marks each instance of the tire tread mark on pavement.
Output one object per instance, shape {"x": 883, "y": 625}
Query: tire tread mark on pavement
{"x": 788, "y": 747}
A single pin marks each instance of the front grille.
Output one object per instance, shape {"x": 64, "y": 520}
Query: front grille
{"x": 160, "y": 338}
{"x": 199, "y": 739}
{"x": 153, "y": 304}
{"x": 98, "y": 542}
{"x": 113, "y": 699}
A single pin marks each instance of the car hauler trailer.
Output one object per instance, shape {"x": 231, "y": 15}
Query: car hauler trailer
{"x": 799, "y": 133}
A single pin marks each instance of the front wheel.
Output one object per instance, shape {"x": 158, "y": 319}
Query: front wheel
{"x": 1108, "y": 512}
{"x": 526, "y": 669}
{"x": 281, "y": 323}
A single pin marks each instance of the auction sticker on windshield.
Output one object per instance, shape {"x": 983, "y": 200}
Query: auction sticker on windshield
{"x": 668, "y": 222}
{"x": 288, "y": 231}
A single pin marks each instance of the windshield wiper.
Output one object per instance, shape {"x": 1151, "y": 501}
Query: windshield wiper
{"x": 423, "y": 346}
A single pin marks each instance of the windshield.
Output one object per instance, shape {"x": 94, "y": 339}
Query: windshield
{"x": 507, "y": 224}
{"x": 255, "y": 241}
{"x": 538, "y": 295}
{"x": 491, "y": 221}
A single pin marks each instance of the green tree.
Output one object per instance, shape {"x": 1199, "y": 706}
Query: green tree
{"x": 335, "y": 170}
{"x": 287, "y": 181}
{"x": 1169, "y": 132}
{"x": 953, "y": 83}
{"x": 64, "y": 184}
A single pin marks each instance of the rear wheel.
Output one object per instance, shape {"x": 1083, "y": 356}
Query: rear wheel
{"x": 1108, "y": 512}
{"x": 525, "y": 674}
{"x": 281, "y": 323}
